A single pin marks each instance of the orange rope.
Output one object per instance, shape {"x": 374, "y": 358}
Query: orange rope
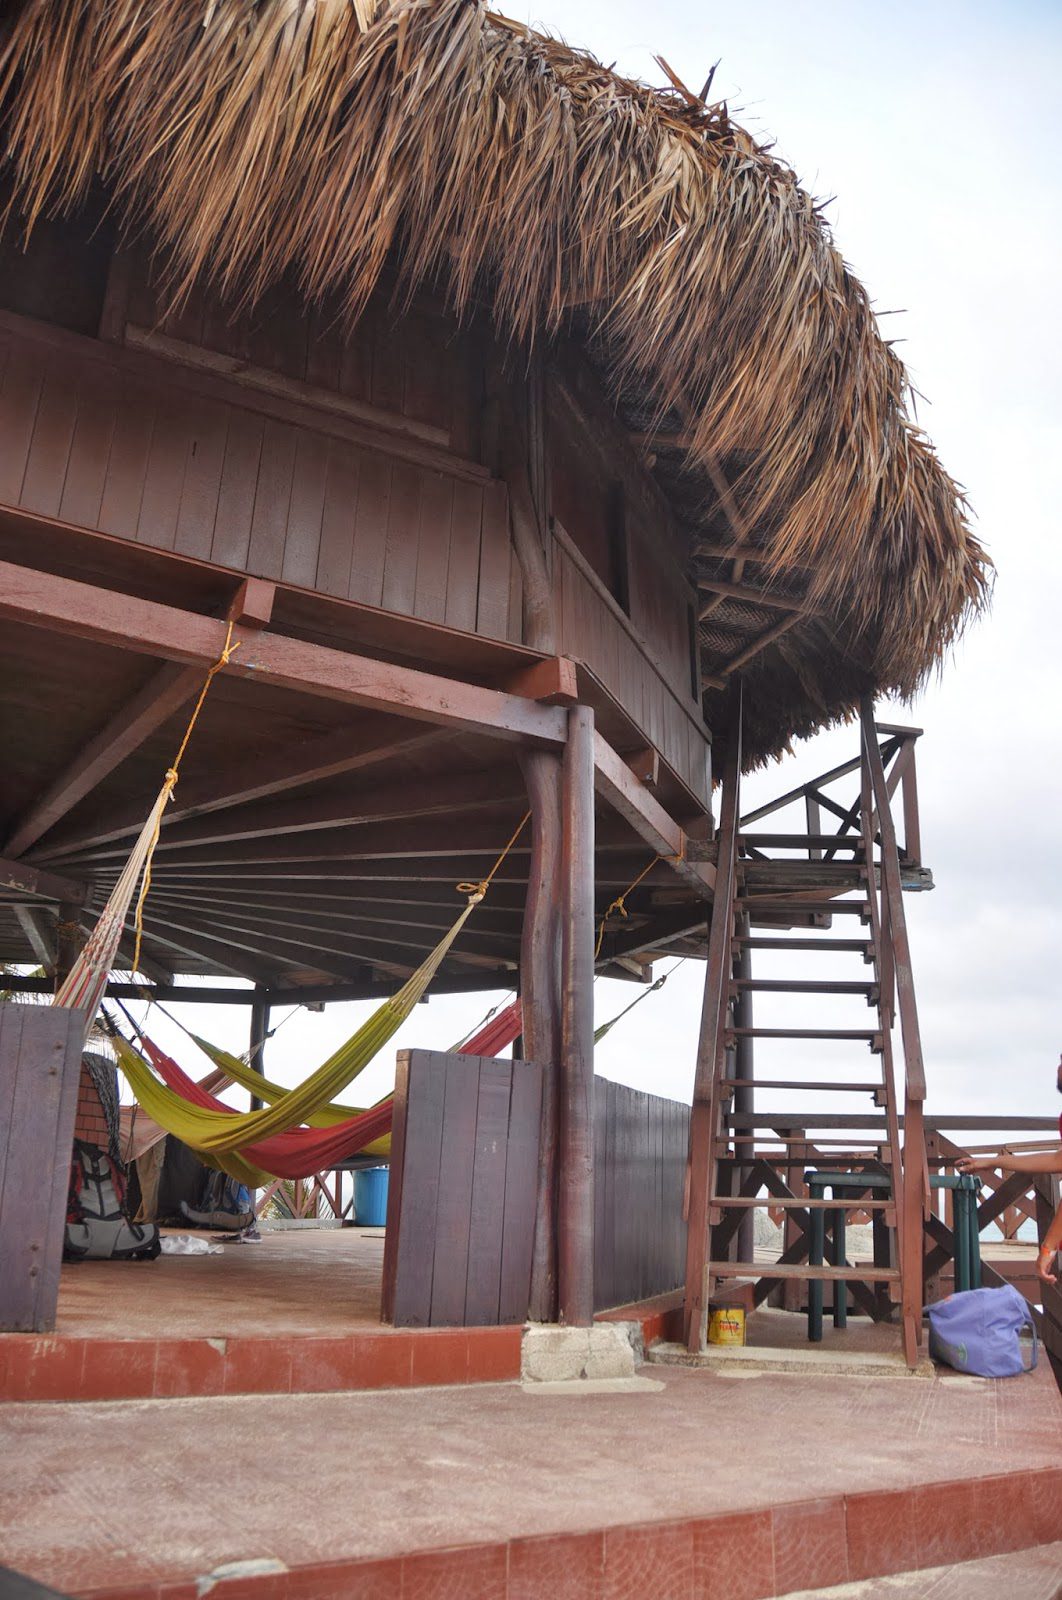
{"x": 168, "y": 788}
{"x": 619, "y": 904}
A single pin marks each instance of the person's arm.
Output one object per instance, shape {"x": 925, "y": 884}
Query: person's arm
{"x": 1049, "y": 1249}
{"x": 1048, "y": 1161}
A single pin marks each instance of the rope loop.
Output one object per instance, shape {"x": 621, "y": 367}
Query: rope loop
{"x": 477, "y": 891}
{"x": 619, "y": 905}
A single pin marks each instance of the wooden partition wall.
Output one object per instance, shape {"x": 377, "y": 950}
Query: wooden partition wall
{"x": 640, "y": 1148}
{"x": 461, "y": 1202}
{"x": 40, "y": 1063}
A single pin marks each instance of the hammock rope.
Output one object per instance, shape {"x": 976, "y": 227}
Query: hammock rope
{"x": 619, "y": 905}
{"x": 82, "y": 989}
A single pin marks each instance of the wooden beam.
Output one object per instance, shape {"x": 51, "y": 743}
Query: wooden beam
{"x": 214, "y": 952}
{"x": 661, "y": 928}
{"x": 446, "y": 794}
{"x": 718, "y": 680}
{"x": 741, "y": 552}
{"x": 710, "y": 1051}
{"x": 745, "y": 592}
{"x": 82, "y": 610}
{"x": 39, "y": 929}
{"x": 330, "y": 756}
{"x": 362, "y": 942}
{"x": 279, "y": 994}
{"x": 167, "y": 689}
{"x": 553, "y": 682}
{"x": 48, "y": 885}
{"x": 618, "y": 785}
{"x": 575, "y": 1166}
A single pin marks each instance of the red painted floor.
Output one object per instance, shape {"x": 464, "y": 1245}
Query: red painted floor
{"x": 710, "y": 1487}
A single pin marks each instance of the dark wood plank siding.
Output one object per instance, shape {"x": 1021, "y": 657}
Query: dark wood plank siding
{"x": 176, "y": 470}
{"x": 640, "y": 1145}
{"x": 461, "y": 1208}
{"x": 40, "y": 1062}
{"x": 592, "y": 632}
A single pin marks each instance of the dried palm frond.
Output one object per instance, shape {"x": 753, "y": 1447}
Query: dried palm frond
{"x": 320, "y": 139}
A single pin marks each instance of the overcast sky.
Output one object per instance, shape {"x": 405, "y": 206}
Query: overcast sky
{"x": 936, "y": 128}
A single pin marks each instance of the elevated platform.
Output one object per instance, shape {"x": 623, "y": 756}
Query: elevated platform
{"x": 296, "y": 1313}
{"x": 708, "y": 1486}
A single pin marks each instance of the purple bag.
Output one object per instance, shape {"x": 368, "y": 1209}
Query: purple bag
{"x": 977, "y": 1332}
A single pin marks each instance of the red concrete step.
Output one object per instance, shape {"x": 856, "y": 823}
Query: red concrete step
{"x": 60, "y": 1367}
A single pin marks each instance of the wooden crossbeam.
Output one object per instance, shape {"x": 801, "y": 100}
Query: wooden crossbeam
{"x": 85, "y": 611}
{"x": 743, "y": 591}
{"x": 717, "y": 680}
{"x": 82, "y": 610}
{"x": 446, "y": 795}
{"x": 274, "y": 773}
{"x": 167, "y": 689}
{"x": 39, "y": 929}
{"x": 27, "y": 879}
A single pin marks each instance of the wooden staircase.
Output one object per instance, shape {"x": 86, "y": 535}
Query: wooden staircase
{"x": 779, "y": 892}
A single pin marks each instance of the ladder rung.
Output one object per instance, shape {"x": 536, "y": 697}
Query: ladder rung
{"x": 764, "y": 1269}
{"x": 787, "y": 1083}
{"x": 866, "y": 1035}
{"x": 803, "y": 841}
{"x": 796, "y": 1204}
{"x": 805, "y": 1119}
{"x": 805, "y": 986}
{"x": 765, "y": 942}
{"x": 777, "y": 906}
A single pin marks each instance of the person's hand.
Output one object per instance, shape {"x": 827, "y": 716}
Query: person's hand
{"x": 1044, "y": 1262}
{"x": 976, "y": 1163}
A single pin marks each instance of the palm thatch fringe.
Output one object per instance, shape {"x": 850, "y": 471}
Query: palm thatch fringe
{"x": 323, "y": 138}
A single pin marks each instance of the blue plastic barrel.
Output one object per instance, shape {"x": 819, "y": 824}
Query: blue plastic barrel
{"x": 370, "y": 1197}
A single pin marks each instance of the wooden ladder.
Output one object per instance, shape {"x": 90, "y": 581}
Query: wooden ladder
{"x": 781, "y": 891}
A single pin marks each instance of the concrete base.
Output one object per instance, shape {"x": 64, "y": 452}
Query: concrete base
{"x": 564, "y": 1355}
{"x": 811, "y": 1362}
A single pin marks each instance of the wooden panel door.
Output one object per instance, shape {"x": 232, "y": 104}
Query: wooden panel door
{"x": 461, "y": 1203}
{"x": 40, "y": 1063}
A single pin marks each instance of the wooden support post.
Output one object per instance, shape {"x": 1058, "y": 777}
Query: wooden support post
{"x": 69, "y": 938}
{"x": 704, "y": 1111}
{"x": 575, "y": 1203}
{"x": 744, "y": 1066}
{"x": 260, "y": 1010}
{"x": 540, "y": 1001}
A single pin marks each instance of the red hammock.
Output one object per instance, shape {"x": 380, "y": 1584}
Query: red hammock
{"x": 300, "y": 1152}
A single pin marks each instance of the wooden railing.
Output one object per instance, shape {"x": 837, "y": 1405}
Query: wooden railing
{"x": 888, "y": 924}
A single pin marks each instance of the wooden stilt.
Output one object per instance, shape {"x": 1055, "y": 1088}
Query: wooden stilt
{"x": 540, "y": 996}
{"x": 260, "y": 1010}
{"x": 703, "y": 1112}
{"x": 744, "y": 1067}
{"x": 575, "y": 1203}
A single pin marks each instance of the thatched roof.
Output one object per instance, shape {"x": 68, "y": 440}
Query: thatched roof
{"x": 261, "y": 138}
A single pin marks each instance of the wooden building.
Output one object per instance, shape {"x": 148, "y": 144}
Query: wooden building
{"x": 529, "y": 425}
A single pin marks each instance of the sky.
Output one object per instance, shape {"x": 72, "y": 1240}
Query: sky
{"x": 935, "y": 126}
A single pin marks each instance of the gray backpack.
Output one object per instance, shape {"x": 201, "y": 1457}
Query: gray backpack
{"x": 97, "y": 1227}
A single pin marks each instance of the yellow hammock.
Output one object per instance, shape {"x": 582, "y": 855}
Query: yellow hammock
{"x": 220, "y": 1135}
{"x": 248, "y": 1078}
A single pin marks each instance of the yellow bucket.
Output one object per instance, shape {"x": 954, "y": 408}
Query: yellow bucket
{"x": 727, "y": 1326}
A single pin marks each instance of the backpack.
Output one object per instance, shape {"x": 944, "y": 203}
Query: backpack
{"x": 97, "y": 1225}
{"x": 977, "y": 1331}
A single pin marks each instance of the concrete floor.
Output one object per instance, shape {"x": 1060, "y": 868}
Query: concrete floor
{"x": 124, "y": 1497}
{"x": 313, "y": 1280}
{"x": 1028, "y": 1575}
